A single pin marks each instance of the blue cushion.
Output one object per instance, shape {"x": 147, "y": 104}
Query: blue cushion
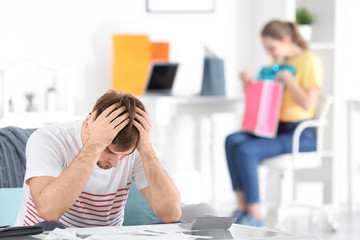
{"x": 10, "y": 200}
{"x": 137, "y": 209}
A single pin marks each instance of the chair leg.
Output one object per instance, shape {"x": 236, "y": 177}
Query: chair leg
{"x": 331, "y": 225}
{"x": 280, "y": 198}
{"x": 281, "y": 217}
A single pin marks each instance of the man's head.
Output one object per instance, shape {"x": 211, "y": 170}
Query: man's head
{"x": 128, "y": 137}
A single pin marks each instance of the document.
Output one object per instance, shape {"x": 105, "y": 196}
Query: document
{"x": 159, "y": 231}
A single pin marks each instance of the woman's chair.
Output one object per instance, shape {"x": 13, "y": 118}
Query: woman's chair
{"x": 287, "y": 164}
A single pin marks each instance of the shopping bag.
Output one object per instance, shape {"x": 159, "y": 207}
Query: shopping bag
{"x": 262, "y": 108}
{"x": 213, "y": 83}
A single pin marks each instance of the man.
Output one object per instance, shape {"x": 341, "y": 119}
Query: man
{"x": 79, "y": 173}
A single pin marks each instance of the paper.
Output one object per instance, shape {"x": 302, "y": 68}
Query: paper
{"x": 62, "y": 234}
{"x": 161, "y": 231}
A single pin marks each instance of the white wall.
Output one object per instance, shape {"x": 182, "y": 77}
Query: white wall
{"x": 347, "y": 88}
{"x": 78, "y": 34}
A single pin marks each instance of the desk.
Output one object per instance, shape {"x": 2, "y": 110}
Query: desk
{"x": 164, "y": 111}
{"x": 173, "y": 231}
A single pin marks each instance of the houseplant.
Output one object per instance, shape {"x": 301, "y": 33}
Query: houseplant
{"x": 304, "y": 19}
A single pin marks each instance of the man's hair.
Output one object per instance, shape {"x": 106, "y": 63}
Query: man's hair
{"x": 129, "y": 135}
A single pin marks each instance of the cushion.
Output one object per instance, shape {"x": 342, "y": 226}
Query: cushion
{"x": 137, "y": 209}
{"x": 12, "y": 156}
{"x": 10, "y": 200}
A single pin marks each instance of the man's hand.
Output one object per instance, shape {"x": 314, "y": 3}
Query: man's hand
{"x": 161, "y": 193}
{"x": 54, "y": 196}
{"x": 143, "y": 124}
{"x": 103, "y": 129}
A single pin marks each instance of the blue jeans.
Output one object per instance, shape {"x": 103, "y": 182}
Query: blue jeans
{"x": 244, "y": 151}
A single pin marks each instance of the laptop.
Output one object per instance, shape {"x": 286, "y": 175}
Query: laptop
{"x": 161, "y": 78}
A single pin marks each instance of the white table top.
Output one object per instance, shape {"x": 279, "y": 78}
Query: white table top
{"x": 174, "y": 231}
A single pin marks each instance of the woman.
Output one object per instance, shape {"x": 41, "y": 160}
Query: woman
{"x": 244, "y": 151}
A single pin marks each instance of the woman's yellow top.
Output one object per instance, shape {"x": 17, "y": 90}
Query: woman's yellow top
{"x": 309, "y": 74}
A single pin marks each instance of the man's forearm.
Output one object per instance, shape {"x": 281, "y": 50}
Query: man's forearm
{"x": 165, "y": 197}
{"x": 59, "y": 195}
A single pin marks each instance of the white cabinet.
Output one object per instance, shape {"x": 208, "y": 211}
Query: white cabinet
{"x": 32, "y": 94}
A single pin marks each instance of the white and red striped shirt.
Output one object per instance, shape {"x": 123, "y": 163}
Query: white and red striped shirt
{"x": 50, "y": 150}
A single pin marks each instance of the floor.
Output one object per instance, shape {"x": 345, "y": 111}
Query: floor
{"x": 348, "y": 227}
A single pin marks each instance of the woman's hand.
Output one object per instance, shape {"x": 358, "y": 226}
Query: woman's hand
{"x": 286, "y": 76}
{"x": 246, "y": 76}
{"x": 306, "y": 98}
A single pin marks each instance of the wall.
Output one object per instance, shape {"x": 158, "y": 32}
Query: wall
{"x": 347, "y": 88}
{"x": 78, "y": 34}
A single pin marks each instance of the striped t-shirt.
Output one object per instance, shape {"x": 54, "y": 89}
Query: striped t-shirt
{"x": 50, "y": 150}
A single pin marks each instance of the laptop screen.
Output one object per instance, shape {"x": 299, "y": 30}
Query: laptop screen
{"x": 162, "y": 76}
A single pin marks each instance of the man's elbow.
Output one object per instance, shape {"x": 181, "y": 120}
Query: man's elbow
{"x": 171, "y": 214}
{"x": 49, "y": 214}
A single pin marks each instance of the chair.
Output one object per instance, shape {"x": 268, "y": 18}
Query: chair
{"x": 291, "y": 162}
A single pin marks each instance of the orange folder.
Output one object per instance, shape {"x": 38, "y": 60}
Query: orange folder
{"x": 160, "y": 51}
{"x": 132, "y": 56}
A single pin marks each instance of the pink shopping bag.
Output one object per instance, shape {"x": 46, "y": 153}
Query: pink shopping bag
{"x": 262, "y": 108}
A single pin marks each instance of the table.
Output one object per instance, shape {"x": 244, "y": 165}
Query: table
{"x": 163, "y": 111}
{"x": 133, "y": 232}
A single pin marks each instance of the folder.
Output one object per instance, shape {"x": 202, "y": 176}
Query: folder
{"x": 132, "y": 56}
{"x": 160, "y": 51}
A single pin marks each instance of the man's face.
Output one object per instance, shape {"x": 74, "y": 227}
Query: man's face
{"x": 110, "y": 157}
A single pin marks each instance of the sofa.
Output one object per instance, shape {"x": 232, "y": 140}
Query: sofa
{"x": 12, "y": 169}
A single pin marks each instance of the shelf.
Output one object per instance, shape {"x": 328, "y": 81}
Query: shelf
{"x": 34, "y": 119}
{"x": 322, "y": 46}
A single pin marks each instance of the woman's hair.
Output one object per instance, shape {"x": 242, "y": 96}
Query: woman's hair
{"x": 129, "y": 135}
{"x": 279, "y": 29}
